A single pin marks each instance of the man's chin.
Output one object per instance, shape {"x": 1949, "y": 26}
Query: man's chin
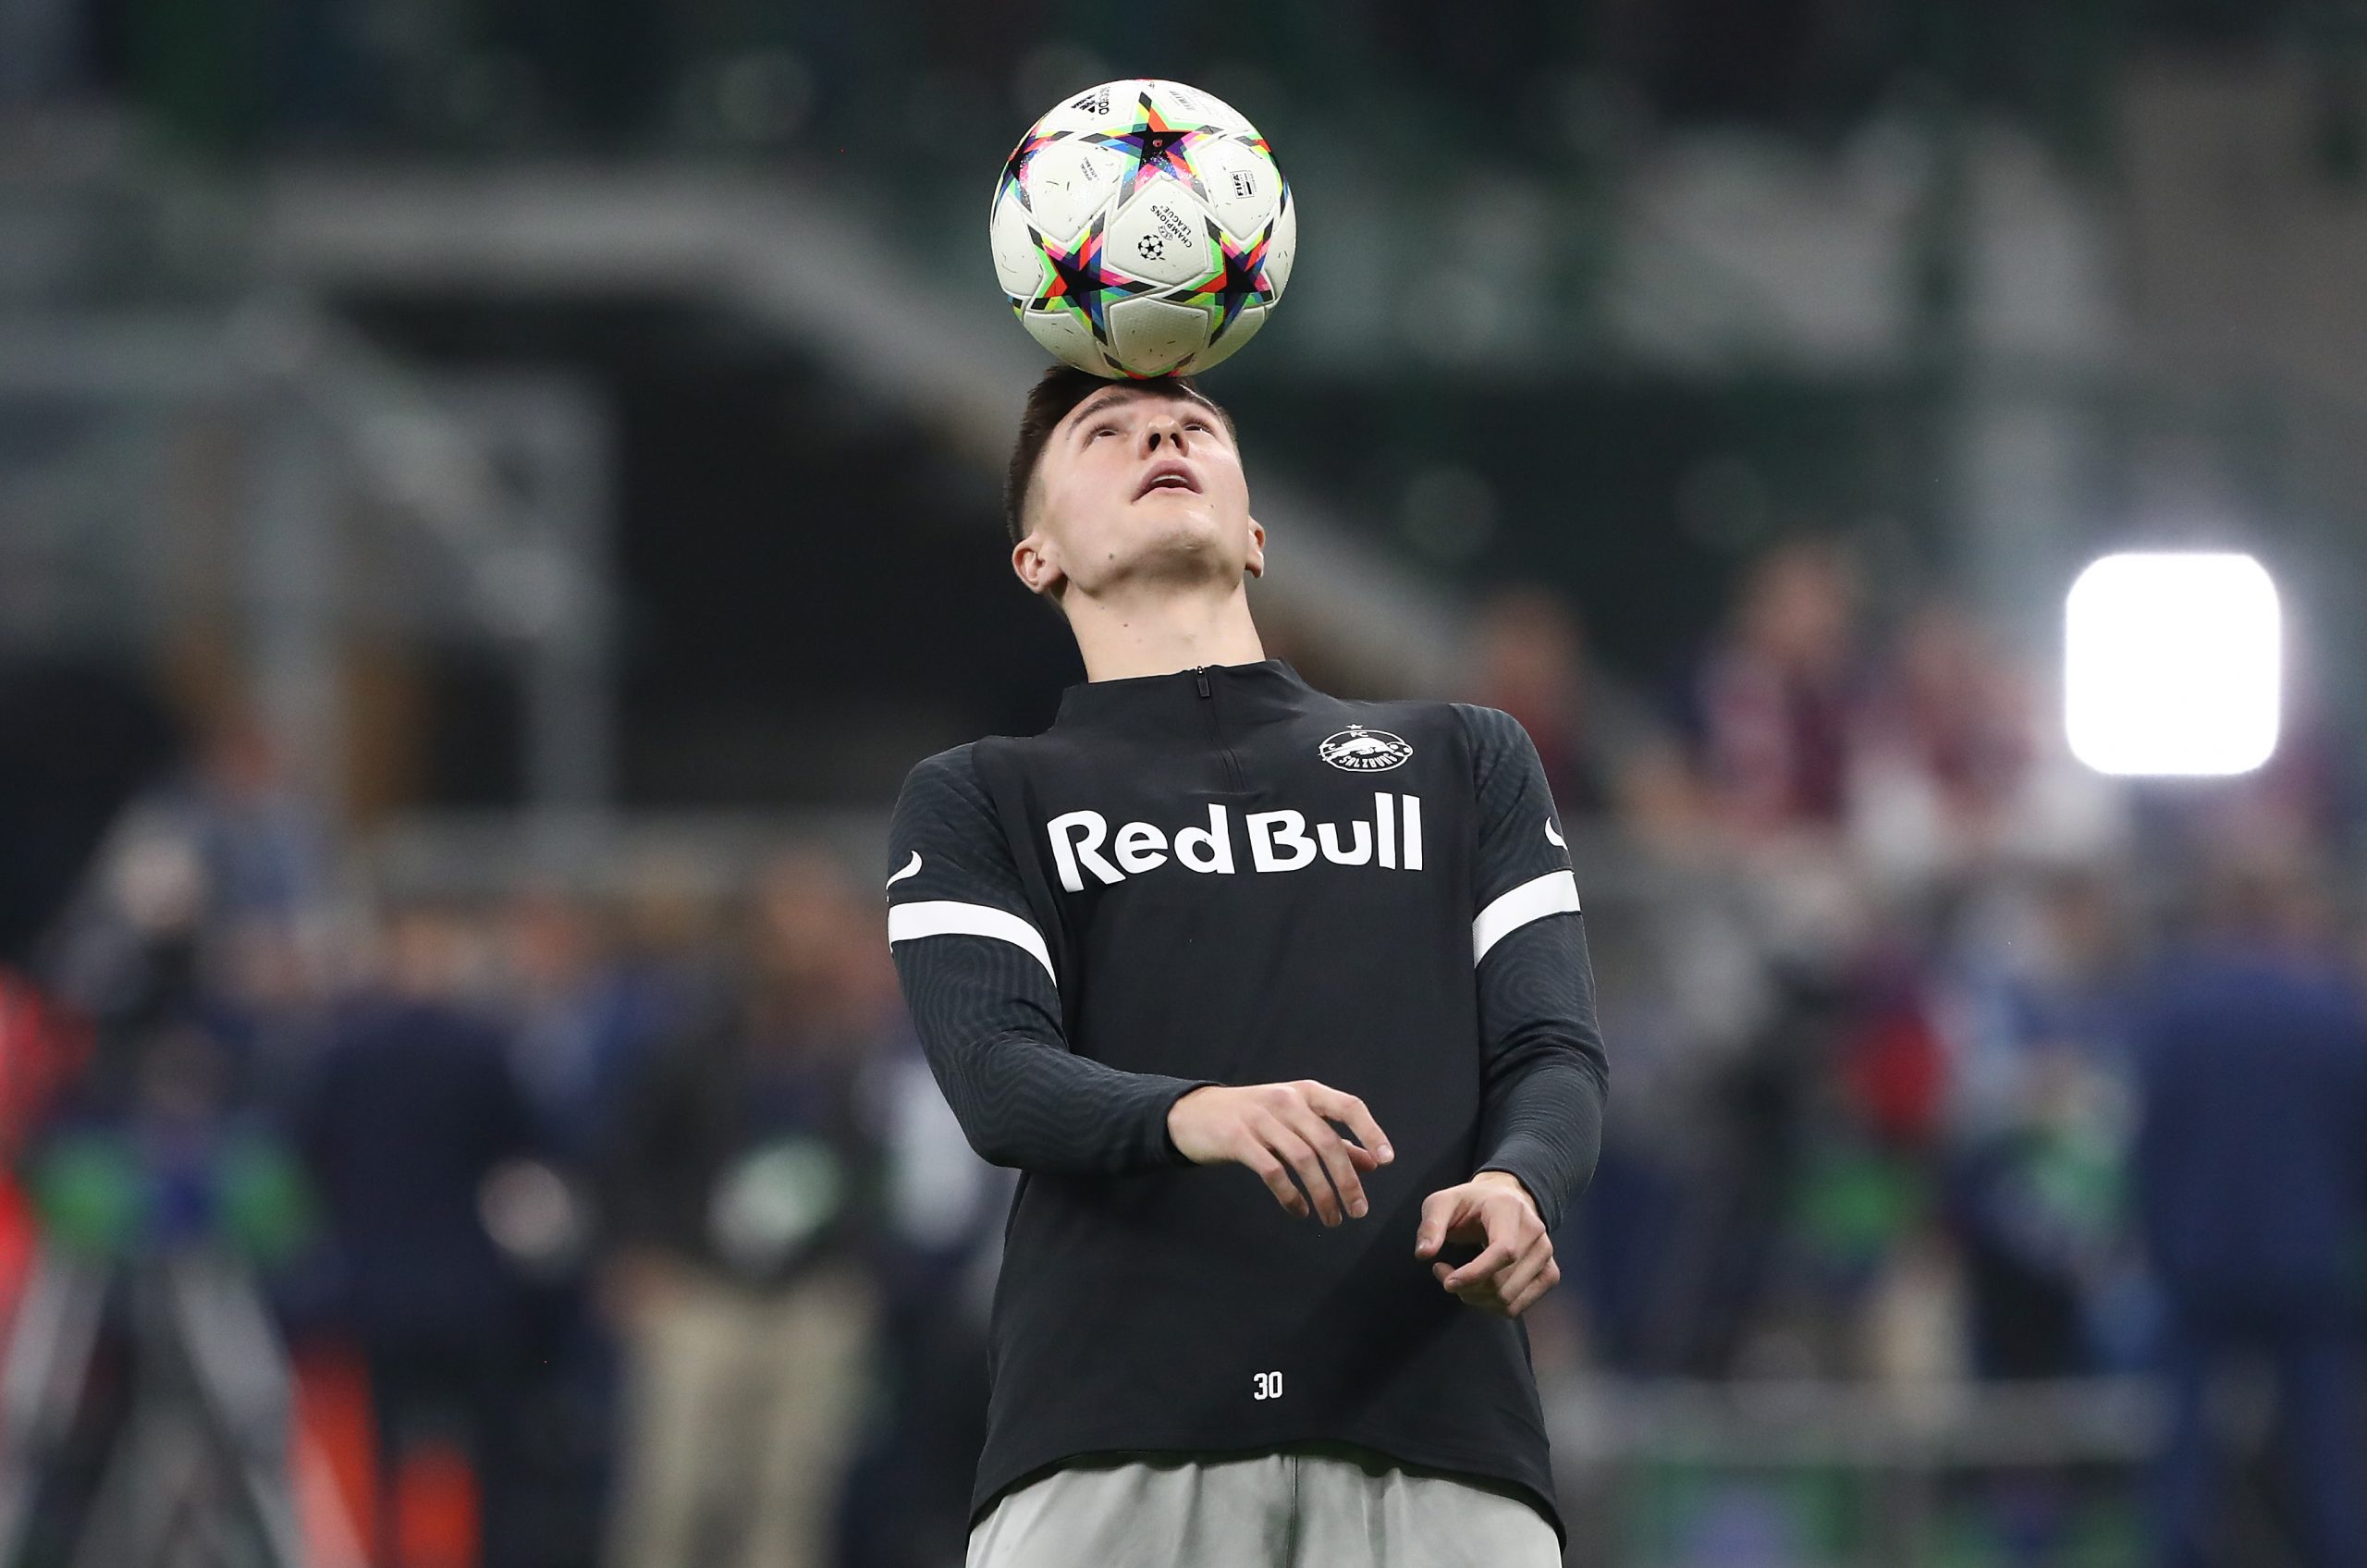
{"x": 1185, "y": 558}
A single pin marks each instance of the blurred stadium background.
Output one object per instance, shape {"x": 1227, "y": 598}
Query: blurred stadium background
{"x": 494, "y": 493}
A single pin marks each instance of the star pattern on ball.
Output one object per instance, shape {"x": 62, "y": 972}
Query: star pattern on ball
{"x": 1157, "y": 146}
{"x": 1239, "y": 280}
{"x": 1015, "y": 170}
{"x": 1076, "y": 281}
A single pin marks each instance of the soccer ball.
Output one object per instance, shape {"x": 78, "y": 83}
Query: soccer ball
{"x": 1143, "y": 228}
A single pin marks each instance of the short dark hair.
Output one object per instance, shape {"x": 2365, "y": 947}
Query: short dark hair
{"x": 1052, "y": 399}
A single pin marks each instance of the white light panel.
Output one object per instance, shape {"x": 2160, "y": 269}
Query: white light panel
{"x": 2171, "y": 662}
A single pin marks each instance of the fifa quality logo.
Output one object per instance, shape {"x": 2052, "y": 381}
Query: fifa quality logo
{"x": 1359, "y": 749}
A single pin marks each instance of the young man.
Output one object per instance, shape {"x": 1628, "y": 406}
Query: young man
{"x": 1215, "y": 918}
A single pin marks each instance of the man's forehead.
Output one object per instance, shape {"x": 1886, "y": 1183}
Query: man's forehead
{"x": 1111, "y": 397}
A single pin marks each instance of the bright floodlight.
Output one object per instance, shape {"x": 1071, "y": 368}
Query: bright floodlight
{"x": 2171, "y": 665}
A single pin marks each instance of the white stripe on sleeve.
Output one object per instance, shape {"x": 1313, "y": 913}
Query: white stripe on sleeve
{"x": 1556, "y": 892}
{"x": 947, "y": 917}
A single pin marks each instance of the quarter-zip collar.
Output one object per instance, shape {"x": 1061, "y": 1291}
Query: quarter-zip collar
{"x": 1245, "y": 693}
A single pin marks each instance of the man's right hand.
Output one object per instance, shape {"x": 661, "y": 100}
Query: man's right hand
{"x": 1277, "y": 1129}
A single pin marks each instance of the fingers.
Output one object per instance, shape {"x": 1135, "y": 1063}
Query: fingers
{"x": 1514, "y": 1269}
{"x": 1480, "y": 1270}
{"x": 1339, "y": 1106}
{"x": 1441, "y": 1211}
{"x": 1300, "y": 1155}
{"x": 1547, "y": 1278}
{"x": 1335, "y": 1152}
{"x": 1512, "y": 1298}
{"x": 1275, "y": 1174}
{"x": 1509, "y": 1290}
{"x": 1285, "y": 1133}
{"x": 1515, "y": 1280}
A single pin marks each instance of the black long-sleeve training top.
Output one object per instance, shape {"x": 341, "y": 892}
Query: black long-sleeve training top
{"x": 1223, "y": 876}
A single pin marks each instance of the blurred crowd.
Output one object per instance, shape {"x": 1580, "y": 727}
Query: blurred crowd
{"x": 620, "y": 1227}
{"x": 618, "y": 1221}
{"x": 1940, "y": 1058}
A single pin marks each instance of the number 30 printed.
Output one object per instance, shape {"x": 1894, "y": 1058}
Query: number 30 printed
{"x": 1268, "y": 1385}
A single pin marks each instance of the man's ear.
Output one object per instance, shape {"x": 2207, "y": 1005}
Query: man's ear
{"x": 1036, "y": 560}
{"x": 1257, "y": 548}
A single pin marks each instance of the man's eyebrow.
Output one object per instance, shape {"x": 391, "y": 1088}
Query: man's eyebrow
{"x": 1116, "y": 395}
{"x": 1101, "y": 400}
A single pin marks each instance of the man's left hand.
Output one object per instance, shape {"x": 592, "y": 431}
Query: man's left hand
{"x": 1515, "y": 1265}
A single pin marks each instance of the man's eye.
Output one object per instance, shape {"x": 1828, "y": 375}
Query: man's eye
{"x": 1196, "y": 424}
{"x": 1104, "y": 430}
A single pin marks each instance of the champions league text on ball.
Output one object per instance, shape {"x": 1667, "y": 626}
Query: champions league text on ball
{"x": 1143, "y": 228}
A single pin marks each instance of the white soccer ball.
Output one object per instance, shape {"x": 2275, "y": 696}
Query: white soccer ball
{"x": 1143, "y": 228}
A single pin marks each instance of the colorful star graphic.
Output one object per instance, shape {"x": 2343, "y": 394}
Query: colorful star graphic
{"x": 1158, "y": 147}
{"x": 1077, "y": 280}
{"x": 1029, "y": 145}
{"x": 1240, "y": 280}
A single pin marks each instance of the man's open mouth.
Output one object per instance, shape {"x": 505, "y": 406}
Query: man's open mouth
{"x": 1168, "y": 476}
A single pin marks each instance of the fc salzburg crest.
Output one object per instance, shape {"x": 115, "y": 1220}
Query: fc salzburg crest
{"x": 1359, "y": 749}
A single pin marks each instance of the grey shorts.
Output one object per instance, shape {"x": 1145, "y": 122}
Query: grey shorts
{"x": 1290, "y": 1510}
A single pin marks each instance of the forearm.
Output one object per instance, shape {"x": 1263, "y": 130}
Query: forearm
{"x": 1546, "y": 1128}
{"x": 1546, "y": 1074}
{"x": 1022, "y": 1100}
{"x": 1036, "y": 1107}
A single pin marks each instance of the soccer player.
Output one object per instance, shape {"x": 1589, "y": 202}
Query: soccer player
{"x": 1280, "y": 1005}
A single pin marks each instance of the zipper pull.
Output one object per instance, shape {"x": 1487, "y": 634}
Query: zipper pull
{"x": 1201, "y": 675}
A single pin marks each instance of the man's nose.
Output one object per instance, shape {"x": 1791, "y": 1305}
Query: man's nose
{"x": 1168, "y": 430}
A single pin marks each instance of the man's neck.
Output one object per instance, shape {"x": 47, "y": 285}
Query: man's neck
{"x": 1146, "y": 634}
